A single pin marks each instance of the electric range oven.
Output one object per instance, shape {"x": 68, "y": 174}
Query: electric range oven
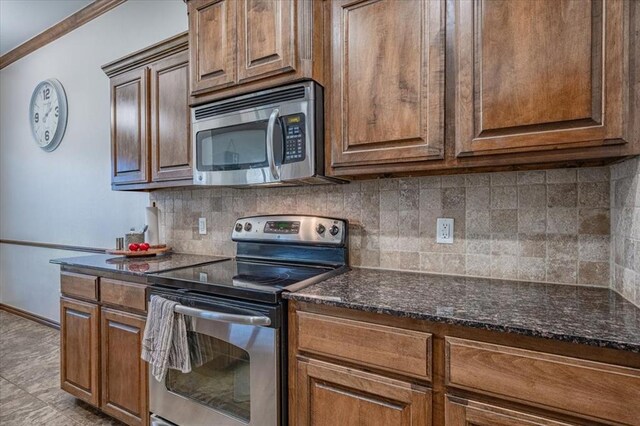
{"x": 238, "y": 323}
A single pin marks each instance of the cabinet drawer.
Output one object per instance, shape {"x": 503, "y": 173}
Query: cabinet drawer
{"x": 392, "y": 349}
{"x": 585, "y": 387}
{"x": 123, "y": 293}
{"x": 79, "y": 285}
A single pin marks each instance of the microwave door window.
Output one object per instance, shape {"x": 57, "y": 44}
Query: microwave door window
{"x": 236, "y": 147}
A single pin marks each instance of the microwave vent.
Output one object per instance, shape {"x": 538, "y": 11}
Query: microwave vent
{"x": 250, "y": 102}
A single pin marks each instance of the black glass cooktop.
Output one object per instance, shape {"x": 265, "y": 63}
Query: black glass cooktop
{"x": 243, "y": 279}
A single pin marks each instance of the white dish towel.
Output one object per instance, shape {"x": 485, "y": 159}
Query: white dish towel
{"x": 165, "y": 343}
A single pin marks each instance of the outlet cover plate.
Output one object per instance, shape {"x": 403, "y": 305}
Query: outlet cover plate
{"x": 202, "y": 226}
{"x": 444, "y": 231}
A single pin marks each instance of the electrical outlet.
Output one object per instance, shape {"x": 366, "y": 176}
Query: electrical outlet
{"x": 202, "y": 226}
{"x": 444, "y": 231}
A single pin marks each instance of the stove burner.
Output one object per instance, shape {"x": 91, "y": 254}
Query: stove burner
{"x": 261, "y": 280}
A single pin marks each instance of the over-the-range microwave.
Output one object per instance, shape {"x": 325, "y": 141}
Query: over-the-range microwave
{"x": 270, "y": 137}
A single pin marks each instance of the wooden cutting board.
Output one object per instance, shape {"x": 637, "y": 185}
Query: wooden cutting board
{"x": 153, "y": 251}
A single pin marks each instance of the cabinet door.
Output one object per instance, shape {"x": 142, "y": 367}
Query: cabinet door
{"x": 328, "y": 394}
{"x": 124, "y": 373}
{"x": 387, "y": 83}
{"x": 212, "y": 44}
{"x": 79, "y": 349}
{"x": 266, "y": 38}
{"x": 459, "y": 412}
{"x": 129, "y": 142}
{"x": 536, "y": 75}
{"x": 170, "y": 119}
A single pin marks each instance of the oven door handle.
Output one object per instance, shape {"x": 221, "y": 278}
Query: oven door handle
{"x": 270, "y": 151}
{"x": 221, "y": 316}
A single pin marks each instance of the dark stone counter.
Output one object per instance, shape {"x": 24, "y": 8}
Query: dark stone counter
{"x": 586, "y": 315}
{"x": 136, "y": 265}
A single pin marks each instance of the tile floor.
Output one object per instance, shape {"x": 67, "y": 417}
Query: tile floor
{"x": 30, "y": 379}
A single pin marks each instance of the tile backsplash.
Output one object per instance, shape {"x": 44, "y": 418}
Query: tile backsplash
{"x": 551, "y": 226}
{"x": 625, "y": 229}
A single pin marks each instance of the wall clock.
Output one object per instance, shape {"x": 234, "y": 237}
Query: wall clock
{"x": 48, "y": 114}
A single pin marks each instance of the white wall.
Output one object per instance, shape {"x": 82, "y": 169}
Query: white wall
{"x": 65, "y": 196}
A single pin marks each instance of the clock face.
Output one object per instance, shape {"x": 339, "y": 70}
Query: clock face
{"x": 48, "y": 114}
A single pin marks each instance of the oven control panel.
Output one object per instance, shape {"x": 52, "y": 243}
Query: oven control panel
{"x": 291, "y": 229}
{"x": 294, "y": 138}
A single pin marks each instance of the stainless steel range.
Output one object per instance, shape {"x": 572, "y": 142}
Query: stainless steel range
{"x": 237, "y": 340}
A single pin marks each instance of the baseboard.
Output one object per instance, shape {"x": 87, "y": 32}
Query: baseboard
{"x": 30, "y": 316}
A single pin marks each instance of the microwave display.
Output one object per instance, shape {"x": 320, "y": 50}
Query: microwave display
{"x": 294, "y": 138}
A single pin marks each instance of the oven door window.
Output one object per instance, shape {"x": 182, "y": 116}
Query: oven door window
{"x": 219, "y": 378}
{"x": 239, "y": 147}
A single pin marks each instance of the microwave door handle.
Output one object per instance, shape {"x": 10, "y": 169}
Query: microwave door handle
{"x": 270, "y": 154}
{"x": 221, "y": 316}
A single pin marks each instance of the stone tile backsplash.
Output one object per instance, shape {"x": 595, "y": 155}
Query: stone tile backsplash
{"x": 625, "y": 229}
{"x": 551, "y": 226}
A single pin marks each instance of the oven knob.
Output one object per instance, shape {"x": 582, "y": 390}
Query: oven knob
{"x": 238, "y": 227}
{"x": 247, "y": 226}
{"x": 334, "y": 230}
{"x": 320, "y": 228}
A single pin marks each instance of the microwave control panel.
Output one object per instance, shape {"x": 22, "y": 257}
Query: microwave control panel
{"x": 294, "y": 138}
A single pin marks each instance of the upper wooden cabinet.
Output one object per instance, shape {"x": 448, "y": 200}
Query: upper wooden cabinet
{"x": 171, "y": 119}
{"x": 266, "y": 40}
{"x": 150, "y": 117}
{"x": 129, "y": 127}
{"x": 543, "y": 82}
{"x": 387, "y": 87}
{"x": 245, "y": 45}
{"x": 538, "y": 75}
{"x": 212, "y": 36}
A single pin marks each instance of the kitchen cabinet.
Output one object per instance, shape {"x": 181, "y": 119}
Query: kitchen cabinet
{"x": 526, "y": 84}
{"x": 243, "y": 46}
{"x": 124, "y": 373}
{"x": 387, "y": 89}
{"x": 352, "y": 367}
{"x": 460, "y": 412}
{"x": 538, "y": 75}
{"x": 101, "y": 344}
{"x": 150, "y": 117}
{"x": 79, "y": 349}
{"x": 333, "y": 395}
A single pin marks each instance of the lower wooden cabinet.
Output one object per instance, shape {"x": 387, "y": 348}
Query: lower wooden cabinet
{"x": 124, "y": 373}
{"x": 100, "y": 347}
{"x": 460, "y": 412}
{"x": 79, "y": 349}
{"x": 329, "y": 394}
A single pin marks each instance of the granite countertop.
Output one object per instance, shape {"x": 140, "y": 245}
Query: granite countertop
{"x": 587, "y": 315}
{"x": 137, "y": 265}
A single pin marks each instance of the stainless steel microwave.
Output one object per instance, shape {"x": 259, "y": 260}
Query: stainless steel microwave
{"x": 270, "y": 137}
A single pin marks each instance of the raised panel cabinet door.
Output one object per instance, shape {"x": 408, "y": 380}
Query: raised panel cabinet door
{"x": 537, "y": 75}
{"x": 387, "y": 81}
{"x": 129, "y": 138}
{"x": 124, "y": 373}
{"x": 460, "y": 412}
{"x": 266, "y": 38}
{"x": 79, "y": 349}
{"x": 170, "y": 119}
{"x": 212, "y": 44}
{"x": 329, "y": 395}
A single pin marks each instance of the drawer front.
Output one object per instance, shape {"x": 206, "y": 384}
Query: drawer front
{"x": 392, "y": 349}
{"x": 79, "y": 285}
{"x": 584, "y": 387}
{"x": 123, "y": 293}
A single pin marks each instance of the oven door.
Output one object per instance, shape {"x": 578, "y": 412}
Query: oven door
{"x": 234, "y": 377}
